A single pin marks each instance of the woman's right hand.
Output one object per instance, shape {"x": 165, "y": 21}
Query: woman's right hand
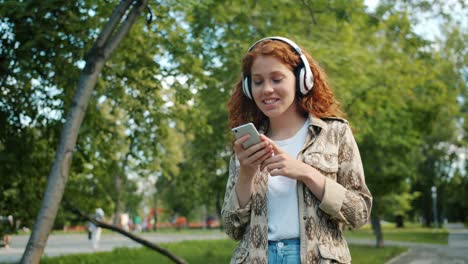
{"x": 251, "y": 158}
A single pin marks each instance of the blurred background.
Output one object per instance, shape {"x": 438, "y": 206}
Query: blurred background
{"x": 154, "y": 146}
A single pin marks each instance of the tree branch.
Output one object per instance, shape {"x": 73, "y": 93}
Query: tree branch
{"x": 113, "y": 22}
{"x": 115, "y": 40}
{"x": 149, "y": 18}
{"x": 97, "y": 50}
{"x": 137, "y": 239}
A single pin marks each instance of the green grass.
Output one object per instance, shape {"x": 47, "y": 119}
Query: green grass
{"x": 216, "y": 251}
{"x": 410, "y": 233}
{"x": 372, "y": 255}
{"x": 203, "y": 252}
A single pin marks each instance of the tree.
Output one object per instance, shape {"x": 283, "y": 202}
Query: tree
{"x": 108, "y": 40}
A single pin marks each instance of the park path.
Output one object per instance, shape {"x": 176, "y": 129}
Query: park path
{"x": 456, "y": 252}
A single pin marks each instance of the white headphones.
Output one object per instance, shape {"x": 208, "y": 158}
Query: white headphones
{"x": 305, "y": 78}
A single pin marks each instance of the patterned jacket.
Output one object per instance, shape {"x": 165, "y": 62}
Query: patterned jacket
{"x": 331, "y": 148}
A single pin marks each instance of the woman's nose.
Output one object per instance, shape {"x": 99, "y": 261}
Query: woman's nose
{"x": 268, "y": 88}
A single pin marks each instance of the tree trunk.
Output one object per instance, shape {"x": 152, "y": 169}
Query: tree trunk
{"x": 219, "y": 208}
{"x": 118, "y": 198}
{"x": 155, "y": 216}
{"x": 111, "y": 36}
{"x": 121, "y": 180}
{"x": 375, "y": 221}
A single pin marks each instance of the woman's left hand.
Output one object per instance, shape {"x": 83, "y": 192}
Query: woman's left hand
{"x": 281, "y": 163}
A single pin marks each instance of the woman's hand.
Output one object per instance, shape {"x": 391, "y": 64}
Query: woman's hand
{"x": 251, "y": 158}
{"x": 281, "y": 163}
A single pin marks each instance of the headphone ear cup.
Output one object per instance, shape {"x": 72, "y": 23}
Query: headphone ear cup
{"x": 246, "y": 87}
{"x": 302, "y": 81}
{"x": 308, "y": 80}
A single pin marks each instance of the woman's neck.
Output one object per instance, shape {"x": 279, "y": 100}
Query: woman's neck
{"x": 282, "y": 128}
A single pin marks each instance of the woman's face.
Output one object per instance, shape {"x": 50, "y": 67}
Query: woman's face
{"x": 273, "y": 87}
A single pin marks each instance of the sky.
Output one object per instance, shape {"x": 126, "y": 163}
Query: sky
{"x": 428, "y": 26}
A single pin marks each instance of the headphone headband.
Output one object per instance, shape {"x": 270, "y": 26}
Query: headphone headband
{"x": 305, "y": 77}
{"x": 288, "y": 41}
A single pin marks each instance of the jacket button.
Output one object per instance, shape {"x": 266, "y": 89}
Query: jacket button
{"x": 305, "y": 218}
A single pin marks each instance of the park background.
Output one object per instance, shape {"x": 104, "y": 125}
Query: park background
{"x": 155, "y": 132}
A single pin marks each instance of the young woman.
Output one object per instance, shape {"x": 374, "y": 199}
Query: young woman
{"x": 289, "y": 197}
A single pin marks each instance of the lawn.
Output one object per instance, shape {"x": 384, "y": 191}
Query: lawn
{"x": 203, "y": 252}
{"x": 410, "y": 233}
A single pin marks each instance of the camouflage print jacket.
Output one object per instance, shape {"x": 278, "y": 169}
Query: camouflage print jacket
{"x": 330, "y": 147}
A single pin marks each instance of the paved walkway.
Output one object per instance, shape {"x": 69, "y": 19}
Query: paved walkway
{"x": 455, "y": 253}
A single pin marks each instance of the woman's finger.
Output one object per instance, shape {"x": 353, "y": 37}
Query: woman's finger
{"x": 238, "y": 142}
{"x": 271, "y": 159}
{"x": 256, "y": 148}
{"x": 261, "y": 155}
{"x": 274, "y": 166}
{"x": 276, "y": 149}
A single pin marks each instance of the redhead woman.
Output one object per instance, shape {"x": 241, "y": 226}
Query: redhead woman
{"x": 289, "y": 197}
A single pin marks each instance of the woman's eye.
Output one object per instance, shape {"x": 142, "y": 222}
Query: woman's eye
{"x": 277, "y": 80}
{"x": 257, "y": 82}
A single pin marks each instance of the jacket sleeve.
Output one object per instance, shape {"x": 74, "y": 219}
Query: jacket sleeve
{"x": 348, "y": 199}
{"x": 234, "y": 218}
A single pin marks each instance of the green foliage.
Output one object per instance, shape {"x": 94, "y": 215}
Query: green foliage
{"x": 454, "y": 199}
{"x": 398, "y": 204}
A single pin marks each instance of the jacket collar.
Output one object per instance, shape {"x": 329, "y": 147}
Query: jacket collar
{"x": 317, "y": 124}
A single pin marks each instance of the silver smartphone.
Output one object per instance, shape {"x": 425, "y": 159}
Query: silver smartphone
{"x": 245, "y": 129}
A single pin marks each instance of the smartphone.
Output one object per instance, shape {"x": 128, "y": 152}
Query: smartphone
{"x": 245, "y": 129}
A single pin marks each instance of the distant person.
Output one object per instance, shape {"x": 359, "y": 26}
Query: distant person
{"x": 151, "y": 224}
{"x": 96, "y": 230}
{"x": 137, "y": 222}
{"x": 6, "y": 229}
{"x": 125, "y": 221}
{"x": 144, "y": 225}
{"x": 172, "y": 219}
{"x": 90, "y": 228}
{"x": 289, "y": 196}
{"x": 155, "y": 218}
{"x": 210, "y": 221}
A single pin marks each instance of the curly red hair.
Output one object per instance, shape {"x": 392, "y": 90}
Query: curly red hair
{"x": 319, "y": 102}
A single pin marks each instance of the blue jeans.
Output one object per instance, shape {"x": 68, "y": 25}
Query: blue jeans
{"x": 286, "y": 251}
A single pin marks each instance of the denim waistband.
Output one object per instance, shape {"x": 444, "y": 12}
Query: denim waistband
{"x": 291, "y": 241}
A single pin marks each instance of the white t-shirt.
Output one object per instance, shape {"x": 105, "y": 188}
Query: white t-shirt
{"x": 283, "y": 208}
